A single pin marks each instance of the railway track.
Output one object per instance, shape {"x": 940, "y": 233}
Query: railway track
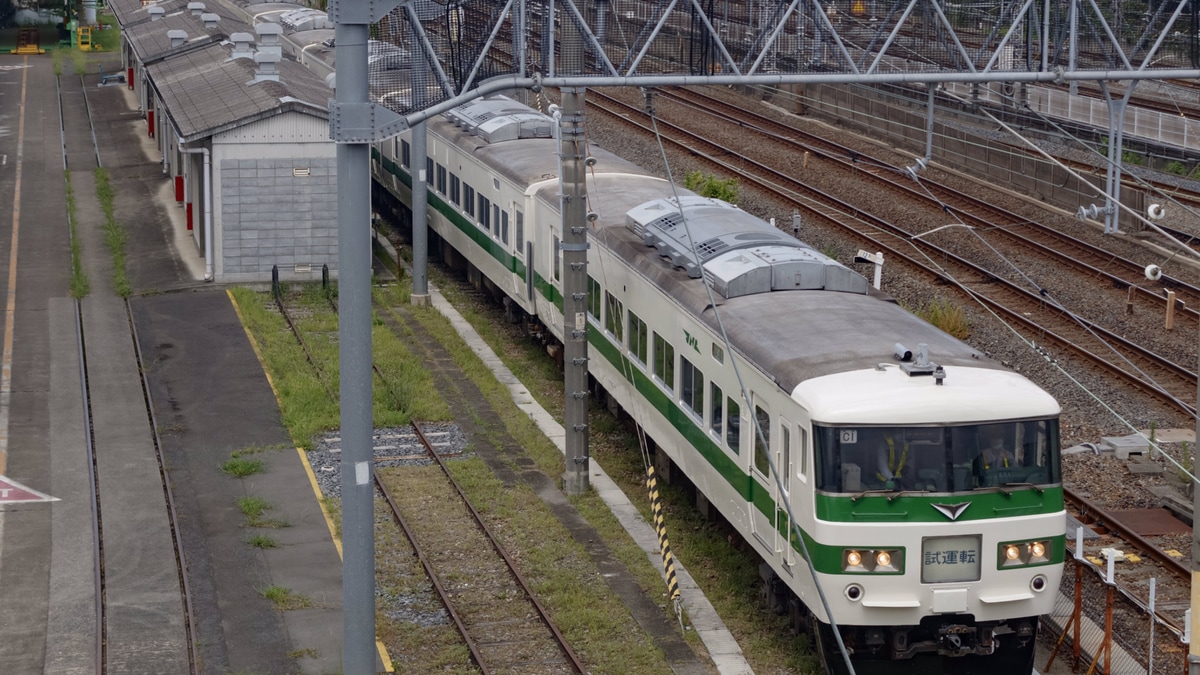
{"x": 123, "y": 620}
{"x": 478, "y": 582}
{"x": 1140, "y": 368}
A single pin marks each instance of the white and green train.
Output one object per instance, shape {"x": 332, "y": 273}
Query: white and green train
{"x": 927, "y": 488}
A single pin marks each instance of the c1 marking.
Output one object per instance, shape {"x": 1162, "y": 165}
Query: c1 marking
{"x": 849, "y": 436}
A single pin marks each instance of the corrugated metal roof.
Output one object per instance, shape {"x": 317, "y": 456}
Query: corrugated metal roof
{"x": 205, "y": 92}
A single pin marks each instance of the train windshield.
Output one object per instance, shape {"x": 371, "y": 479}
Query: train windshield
{"x": 937, "y": 459}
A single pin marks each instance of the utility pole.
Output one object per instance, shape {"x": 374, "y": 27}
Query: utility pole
{"x": 575, "y": 290}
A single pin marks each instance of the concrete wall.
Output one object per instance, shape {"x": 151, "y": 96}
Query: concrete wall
{"x": 272, "y": 214}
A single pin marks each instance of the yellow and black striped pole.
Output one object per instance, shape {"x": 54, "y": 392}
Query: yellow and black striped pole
{"x": 664, "y": 545}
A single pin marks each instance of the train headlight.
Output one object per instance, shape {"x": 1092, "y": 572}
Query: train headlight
{"x": 872, "y": 560}
{"x": 1021, "y": 553}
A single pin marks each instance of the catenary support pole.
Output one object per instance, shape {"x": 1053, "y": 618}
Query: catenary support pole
{"x": 354, "y": 350}
{"x": 420, "y": 226}
{"x": 1193, "y": 658}
{"x": 575, "y": 290}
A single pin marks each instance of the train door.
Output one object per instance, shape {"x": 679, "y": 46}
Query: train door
{"x": 763, "y": 492}
{"x": 785, "y": 455}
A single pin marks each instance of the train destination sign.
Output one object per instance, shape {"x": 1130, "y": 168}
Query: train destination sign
{"x": 12, "y": 492}
{"x": 950, "y": 559}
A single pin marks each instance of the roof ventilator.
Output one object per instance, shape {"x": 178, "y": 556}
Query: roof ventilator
{"x": 210, "y": 20}
{"x": 196, "y": 8}
{"x": 268, "y": 39}
{"x": 156, "y": 13}
{"x": 922, "y": 366}
{"x": 241, "y": 46}
{"x": 268, "y": 67}
{"x": 177, "y": 38}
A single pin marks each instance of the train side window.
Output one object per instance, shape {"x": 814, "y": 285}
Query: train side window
{"x": 485, "y": 213}
{"x": 519, "y": 238}
{"x": 405, "y": 154}
{"x": 441, "y": 179}
{"x": 718, "y": 353}
{"x": 556, "y": 254}
{"x": 428, "y": 169}
{"x": 503, "y": 226}
{"x": 614, "y": 321}
{"x": 455, "y": 189}
{"x": 762, "y": 463}
{"x": 802, "y": 452}
{"x": 733, "y": 425}
{"x": 593, "y": 298}
{"x": 715, "y": 399}
{"x": 785, "y": 453}
{"x": 691, "y": 386}
{"x": 637, "y": 338}
{"x": 469, "y": 200}
{"x": 496, "y": 217}
{"x": 664, "y": 362}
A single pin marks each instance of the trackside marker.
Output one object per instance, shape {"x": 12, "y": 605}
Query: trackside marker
{"x": 12, "y": 492}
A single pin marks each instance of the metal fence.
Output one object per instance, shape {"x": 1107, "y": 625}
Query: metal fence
{"x": 1101, "y": 628}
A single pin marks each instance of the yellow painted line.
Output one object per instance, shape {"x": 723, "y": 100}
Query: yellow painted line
{"x": 312, "y": 477}
{"x": 10, "y": 310}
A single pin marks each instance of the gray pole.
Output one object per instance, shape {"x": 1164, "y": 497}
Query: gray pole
{"x": 575, "y": 290}
{"x": 354, "y": 349}
{"x": 420, "y": 229}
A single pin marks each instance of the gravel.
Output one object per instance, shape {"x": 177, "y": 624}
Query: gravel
{"x": 394, "y": 446}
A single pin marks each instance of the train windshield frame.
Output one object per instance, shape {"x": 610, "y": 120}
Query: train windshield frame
{"x": 937, "y": 459}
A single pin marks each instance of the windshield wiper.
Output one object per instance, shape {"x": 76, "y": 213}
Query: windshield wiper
{"x": 1035, "y": 487}
{"x": 892, "y": 498}
{"x": 876, "y": 491}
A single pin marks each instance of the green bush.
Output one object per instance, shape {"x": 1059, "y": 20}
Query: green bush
{"x": 708, "y": 185}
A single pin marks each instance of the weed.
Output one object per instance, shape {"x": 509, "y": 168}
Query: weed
{"x": 302, "y": 653}
{"x": 708, "y": 185}
{"x": 240, "y": 468}
{"x": 285, "y": 599}
{"x": 114, "y": 234}
{"x": 262, "y": 541}
{"x": 946, "y": 316}
{"x": 80, "y": 286}
{"x": 253, "y": 507}
{"x": 56, "y": 58}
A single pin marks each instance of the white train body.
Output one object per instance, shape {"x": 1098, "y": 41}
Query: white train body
{"x": 814, "y": 346}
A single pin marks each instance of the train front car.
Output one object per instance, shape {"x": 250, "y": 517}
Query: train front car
{"x": 937, "y": 509}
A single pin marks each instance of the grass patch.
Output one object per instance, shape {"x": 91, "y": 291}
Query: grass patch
{"x": 333, "y": 506}
{"x": 56, "y": 61}
{"x": 308, "y": 652}
{"x": 262, "y": 541}
{"x": 307, "y": 408}
{"x": 285, "y": 599}
{"x": 241, "y": 467}
{"x": 946, "y": 316}
{"x": 114, "y": 234}
{"x": 79, "y": 60}
{"x": 253, "y": 507}
{"x": 80, "y": 286}
{"x": 108, "y": 37}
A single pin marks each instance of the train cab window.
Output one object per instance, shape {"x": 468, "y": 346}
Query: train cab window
{"x": 664, "y": 362}
{"x": 691, "y": 386}
{"x": 963, "y": 458}
{"x": 762, "y": 444}
{"x": 614, "y": 321}
{"x": 519, "y": 235}
{"x": 503, "y": 226}
{"x": 455, "y": 189}
{"x": 733, "y": 425}
{"x": 405, "y": 154}
{"x": 637, "y": 338}
{"x": 715, "y": 399}
{"x": 593, "y": 298}
{"x": 468, "y": 203}
{"x": 485, "y": 213}
{"x": 441, "y": 179}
